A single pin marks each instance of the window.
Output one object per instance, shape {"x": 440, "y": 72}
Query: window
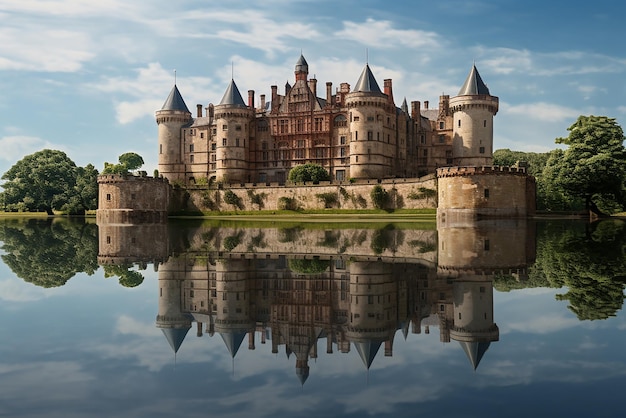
{"x": 459, "y": 123}
{"x": 485, "y": 123}
{"x": 356, "y": 118}
{"x": 486, "y": 193}
{"x": 201, "y": 135}
{"x": 356, "y": 135}
{"x": 237, "y": 142}
{"x": 224, "y": 127}
{"x": 213, "y": 146}
{"x": 370, "y": 118}
{"x": 370, "y": 135}
{"x": 442, "y": 125}
{"x": 442, "y": 139}
{"x": 486, "y": 245}
{"x": 341, "y": 176}
{"x": 342, "y": 140}
{"x": 108, "y": 240}
{"x": 224, "y": 142}
{"x": 342, "y": 152}
{"x": 340, "y": 121}
{"x": 160, "y": 148}
{"x": 422, "y": 139}
{"x": 300, "y": 143}
{"x": 108, "y": 196}
{"x": 191, "y": 158}
{"x": 425, "y": 153}
{"x": 481, "y": 150}
{"x": 191, "y": 148}
{"x": 238, "y": 127}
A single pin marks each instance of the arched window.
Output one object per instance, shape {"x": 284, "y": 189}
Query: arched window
{"x": 340, "y": 121}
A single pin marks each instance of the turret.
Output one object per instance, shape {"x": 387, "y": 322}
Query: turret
{"x": 372, "y": 127}
{"x": 172, "y": 117}
{"x": 232, "y": 120}
{"x": 172, "y": 319}
{"x": 473, "y": 110}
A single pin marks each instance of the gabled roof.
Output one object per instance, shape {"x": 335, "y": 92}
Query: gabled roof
{"x": 175, "y": 101}
{"x": 473, "y": 84}
{"x": 232, "y": 96}
{"x": 367, "y": 83}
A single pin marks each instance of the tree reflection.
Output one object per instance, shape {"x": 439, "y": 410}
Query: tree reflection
{"x": 589, "y": 260}
{"x": 49, "y": 252}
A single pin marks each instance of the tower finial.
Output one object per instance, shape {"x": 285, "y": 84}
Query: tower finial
{"x": 232, "y": 70}
{"x": 367, "y": 58}
{"x": 174, "y": 76}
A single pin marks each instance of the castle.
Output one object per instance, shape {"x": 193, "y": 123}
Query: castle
{"x": 356, "y": 133}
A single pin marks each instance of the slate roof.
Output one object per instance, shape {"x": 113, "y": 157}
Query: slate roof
{"x": 473, "y": 84}
{"x": 367, "y": 83}
{"x": 175, "y": 336}
{"x": 232, "y": 96}
{"x": 175, "y": 101}
{"x": 302, "y": 65}
{"x": 475, "y": 351}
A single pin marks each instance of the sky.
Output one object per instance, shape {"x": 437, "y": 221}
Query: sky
{"x": 86, "y": 77}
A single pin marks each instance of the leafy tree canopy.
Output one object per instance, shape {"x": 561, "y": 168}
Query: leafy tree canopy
{"x": 49, "y": 180}
{"x": 48, "y": 253}
{"x": 127, "y": 277}
{"x": 308, "y": 172}
{"x": 128, "y": 162}
{"x": 593, "y": 167}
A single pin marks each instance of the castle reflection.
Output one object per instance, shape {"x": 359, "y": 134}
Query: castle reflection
{"x": 296, "y": 289}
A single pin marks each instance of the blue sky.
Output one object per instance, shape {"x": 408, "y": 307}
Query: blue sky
{"x": 87, "y": 76}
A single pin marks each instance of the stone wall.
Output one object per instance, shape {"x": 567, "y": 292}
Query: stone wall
{"x": 402, "y": 193}
{"x": 470, "y": 192}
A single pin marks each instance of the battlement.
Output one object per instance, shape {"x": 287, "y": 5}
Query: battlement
{"x": 482, "y": 170}
{"x": 118, "y": 178}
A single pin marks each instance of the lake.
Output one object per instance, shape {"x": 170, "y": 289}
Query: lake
{"x": 205, "y": 318}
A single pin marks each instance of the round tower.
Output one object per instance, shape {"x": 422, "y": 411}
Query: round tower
{"x": 172, "y": 117}
{"x": 232, "y": 120}
{"x": 173, "y": 321}
{"x": 373, "y": 307}
{"x": 473, "y": 111}
{"x": 372, "y": 127}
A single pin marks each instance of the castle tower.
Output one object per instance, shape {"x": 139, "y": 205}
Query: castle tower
{"x": 172, "y": 319}
{"x": 232, "y": 119}
{"x": 372, "y": 120}
{"x": 473, "y": 111}
{"x": 373, "y": 308}
{"x": 172, "y": 117}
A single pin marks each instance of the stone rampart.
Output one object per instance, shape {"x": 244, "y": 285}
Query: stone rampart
{"x": 402, "y": 193}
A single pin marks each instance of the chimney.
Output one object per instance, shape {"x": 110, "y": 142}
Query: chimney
{"x": 388, "y": 90}
{"x": 251, "y": 340}
{"x": 199, "y": 110}
{"x": 274, "y": 96}
{"x": 388, "y": 348}
{"x": 313, "y": 86}
{"x": 329, "y": 93}
{"x": 263, "y": 102}
{"x": 415, "y": 110}
{"x": 425, "y": 104}
{"x": 251, "y": 99}
{"x": 199, "y": 324}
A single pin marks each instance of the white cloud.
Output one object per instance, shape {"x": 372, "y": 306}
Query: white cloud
{"x": 14, "y": 147}
{"x": 381, "y": 33}
{"x": 542, "y": 111}
{"x": 11, "y": 290}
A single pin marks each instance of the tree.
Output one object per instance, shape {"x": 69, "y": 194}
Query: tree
{"x": 308, "y": 172}
{"x": 593, "y": 168}
{"x": 127, "y": 276}
{"x": 49, "y": 180}
{"x": 48, "y": 252}
{"x": 128, "y": 162}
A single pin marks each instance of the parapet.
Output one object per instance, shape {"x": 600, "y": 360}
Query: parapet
{"x": 480, "y": 170}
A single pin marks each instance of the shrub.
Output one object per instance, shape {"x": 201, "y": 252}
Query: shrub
{"x": 257, "y": 198}
{"x": 231, "y": 198}
{"x": 380, "y": 197}
{"x": 287, "y": 203}
{"x": 309, "y": 172}
{"x": 329, "y": 199}
{"x": 313, "y": 266}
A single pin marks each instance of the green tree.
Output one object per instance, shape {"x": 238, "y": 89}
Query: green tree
{"x": 128, "y": 162}
{"x": 593, "y": 167}
{"x": 127, "y": 277}
{"x": 49, "y": 180}
{"x": 308, "y": 172}
{"x": 49, "y": 252}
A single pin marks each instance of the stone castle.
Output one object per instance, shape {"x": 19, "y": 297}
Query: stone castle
{"x": 242, "y": 153}
{"x": 354, "y": 133}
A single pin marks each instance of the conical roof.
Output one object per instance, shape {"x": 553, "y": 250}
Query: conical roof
{"x": 175, "y": 336}
{"x": 233, "y": 341}
{"x": 302, "y": 65}
{"x": 367, "y": 83}
{"x": 367, "y": 351}
{"x": 475, "y": 351}
{"x": 232, "y": 96}
{"x": 473, "y": 84}
{"x": 175, "y": 101}
{"x": 405, "y": 107}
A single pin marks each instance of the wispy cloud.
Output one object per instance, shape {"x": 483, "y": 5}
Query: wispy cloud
{"x": 543, "y": 111}
{"x": 381, "y": 33}
{"x": 14, "y": 147}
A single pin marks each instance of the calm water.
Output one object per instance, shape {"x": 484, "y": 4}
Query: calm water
{"x": 188, "y": 319}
